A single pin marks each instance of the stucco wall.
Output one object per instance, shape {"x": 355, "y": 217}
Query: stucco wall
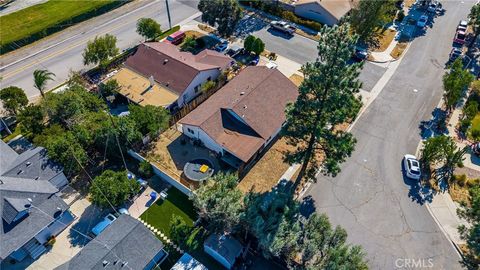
{"x": 199, "y": 134}
{"x": 202, "y": 77}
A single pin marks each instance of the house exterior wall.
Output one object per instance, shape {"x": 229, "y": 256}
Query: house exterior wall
{"x": 198, "y": 134}
{"x": 219, "y": 258}
{"x": 316, "y": 12}
{"x": 189, "y": 93}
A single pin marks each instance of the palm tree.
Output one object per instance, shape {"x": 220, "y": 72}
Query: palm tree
{"x": 40, "y": 79}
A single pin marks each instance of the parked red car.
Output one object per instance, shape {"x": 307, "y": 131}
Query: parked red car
{"x": 175, "y": 38}
{"x": 460, "y": 37}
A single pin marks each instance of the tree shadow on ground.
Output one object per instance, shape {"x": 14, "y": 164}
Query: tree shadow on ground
{"x": 418, "y": 191}
{"x": 79, "y": 232}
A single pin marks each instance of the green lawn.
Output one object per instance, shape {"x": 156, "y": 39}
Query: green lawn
{"x": 474, "y": 131}
{"x": 161, "y": 212}
{"x": 35, "y": 20}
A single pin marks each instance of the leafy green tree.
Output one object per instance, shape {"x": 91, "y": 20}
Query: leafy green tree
{"x": 148, "y": 28}
{"x": 189, "y": 44}
{"x": 145, "y": 169}
{"x": 258, "y": 46}
{"x": 112, "y": 188}
{"x": 179, "y": 231}
{"x": 474, "y": 17}
{"x": 110, "y": 88}
{"x": 100, "y": 50}
{"x": 224, "y": 13}
{"x": 149, "y": 119}
{"x": 454, "y": 83}
{"x": 63, "y": 148}
{"x": 248, "y": 43}
{"x": 40, "y": 79}
{"x": 67, "y": 108}
{"x": 207, "y": 86}
{"x": 471, "y": 234}
{"x": 13, "y": 99}
{"x": 31, "y": 119}
{"x": 219, "y": 203}
{"x": 327, "y": 98}
{"x": 369, "y": 16}
{"x": 442, "y": 150}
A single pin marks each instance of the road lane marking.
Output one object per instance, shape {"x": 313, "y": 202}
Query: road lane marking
{"x": 20, "y": 69}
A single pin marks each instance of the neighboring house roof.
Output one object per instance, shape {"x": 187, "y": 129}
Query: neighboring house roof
{"x": 187, "y": 262}
{"x": 28, "y": 183}
{"x": 246, "y": 112}
{"x": 337, "y": 8}
{"x": 140, "y": 90}
{"x": 226, "y": 246}
{"x": 126, "y": 240}
{"x": 171, "y": 67}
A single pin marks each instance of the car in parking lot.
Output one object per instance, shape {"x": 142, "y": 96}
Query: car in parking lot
{"x": 422, "y": 21}
{"x": 462, "y": 26}
{"x": 432, "y": 8}
{"x": 460, "y": 37}
{"x": 454, "y": 54}
{"x": 283, "y": 27}
{"x": 411, "y": 166}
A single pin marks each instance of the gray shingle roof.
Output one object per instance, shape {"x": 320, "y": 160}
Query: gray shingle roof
{"x": 126, "y": 238}
{"x": 37, "y": 185}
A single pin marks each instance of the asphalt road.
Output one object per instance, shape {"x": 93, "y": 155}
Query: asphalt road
{"x": 62, "y": 58}
{"x": 370, "y": 198}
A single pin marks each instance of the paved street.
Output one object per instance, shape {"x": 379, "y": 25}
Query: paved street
{"x": 68, "y": 55}
{"x": 379, "y": 208}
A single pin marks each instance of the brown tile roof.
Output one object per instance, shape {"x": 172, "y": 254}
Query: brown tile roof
{"x": 337, "y": 8}
{"x": 258, "y": 96}
{"x": 171, "y": 67}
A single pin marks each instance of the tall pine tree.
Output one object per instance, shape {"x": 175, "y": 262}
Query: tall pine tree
{"x": 327, "y": 99}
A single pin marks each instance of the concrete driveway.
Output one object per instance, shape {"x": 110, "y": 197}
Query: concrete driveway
{"x": 380, "y": 209}
{"x": 69, "y": 242}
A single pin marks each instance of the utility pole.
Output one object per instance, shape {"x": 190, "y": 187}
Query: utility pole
{"x": 168, "y": 14}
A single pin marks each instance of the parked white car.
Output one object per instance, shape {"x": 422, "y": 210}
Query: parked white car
{"x": 411, "y": 166}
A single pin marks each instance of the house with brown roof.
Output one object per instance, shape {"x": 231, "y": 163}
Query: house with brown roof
{"x": 328, "y": 12}
{"x": 162, "y": 68}
{"x": 243, "y": 117}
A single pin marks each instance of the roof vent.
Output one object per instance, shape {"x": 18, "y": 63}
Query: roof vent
{"x": 30, "y": 200}
{"x": 105, "y": 263}
{"x": 124, "y": 264}
{"x": 242, "y": 93}
{"x": 38, "y": 177}
{"x": 165, "y": 61}
{"x": 1, "y": 182}
{"x": 19, "y": 172}
{"x": 28, "y": 163}
{"x": 245, "y": 107}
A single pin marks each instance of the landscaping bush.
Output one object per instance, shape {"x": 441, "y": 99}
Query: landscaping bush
{"x": 145, "y": 169}
{"x": 475, "y": 128}
{"x": 461, "y": 180}
{"x": 473, "y": 182}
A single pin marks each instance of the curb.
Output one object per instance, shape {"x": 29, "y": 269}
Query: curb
{"x": 454, "y": 245}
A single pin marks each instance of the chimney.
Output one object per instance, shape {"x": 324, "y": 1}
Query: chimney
{"x": 151, "y": 80}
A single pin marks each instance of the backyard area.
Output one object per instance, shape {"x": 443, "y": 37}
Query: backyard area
{"x": 35, "y": 22}
{"x": 159, "y": 216}
{"x": 172, "y": 150}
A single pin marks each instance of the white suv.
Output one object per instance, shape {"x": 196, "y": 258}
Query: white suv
{"x": 412, "y": 167}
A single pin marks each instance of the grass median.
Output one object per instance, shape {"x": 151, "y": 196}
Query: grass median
{"x": 30, "y": 24}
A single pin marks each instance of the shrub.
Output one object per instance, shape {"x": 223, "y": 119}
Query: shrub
{"x": 473, "y": 182}
{"x": 461, "y": 180}
{"x": 145, "y": 169}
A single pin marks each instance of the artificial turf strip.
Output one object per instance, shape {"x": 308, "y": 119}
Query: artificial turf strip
{"x": 160, "y": 213}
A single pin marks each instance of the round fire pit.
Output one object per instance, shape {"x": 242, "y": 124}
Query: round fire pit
{"x": 198, "y": 169}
